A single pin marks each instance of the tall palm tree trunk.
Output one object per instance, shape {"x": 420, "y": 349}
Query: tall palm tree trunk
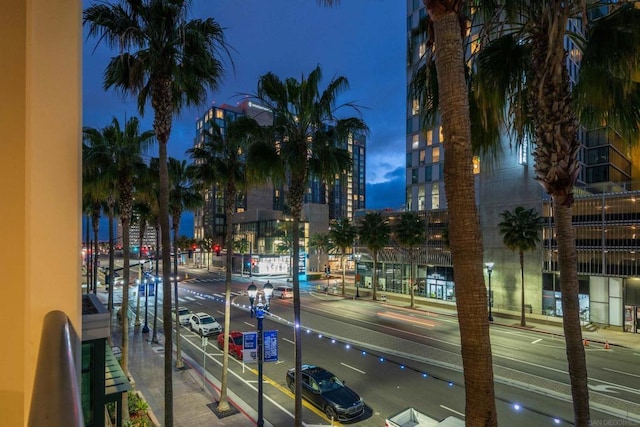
{"x": 161, "y": 102}
{"x": 411, "y": 278}
{"x": 112, "y": 263}
{"x": 154, "y": 337}
{"x": 466, "y": 240}
{"x": 96, "y": 253}
{"x": 89, "y": 256}
{"x": 557, "y": 169}
{"x": 124, "y": 310}
{"x": 296, "y": 193}
{"x": 344, "y": 267}
{"x": 566, "y": 237}
{"x": 176, "y": 226}
{"x": 223, "y": 404}
{"x": 374, "y": 275}
{"x": 523, "y": 320}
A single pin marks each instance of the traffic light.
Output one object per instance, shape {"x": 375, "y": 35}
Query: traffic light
{"x": 216, "y": 249}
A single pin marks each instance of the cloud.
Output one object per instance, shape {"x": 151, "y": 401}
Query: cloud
{"x": 386, "y": 194}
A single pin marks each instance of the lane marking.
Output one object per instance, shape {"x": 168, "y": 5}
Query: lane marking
{"x": 621, "y": 372}
{"x": 536, "y": 341}
{"x": 452, "y": 410}
{"x": 351, "y": 367}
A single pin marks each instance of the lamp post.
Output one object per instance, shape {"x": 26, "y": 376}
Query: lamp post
{"x": 260, "y": 316}
{"x": 489, "y": 266}
{"x": 145, "y": 328}
{"x": 252, "y": 290}
{"x": 268, "y": 290}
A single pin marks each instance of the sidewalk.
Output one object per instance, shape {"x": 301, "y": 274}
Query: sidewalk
{"x": 192, "y": 405}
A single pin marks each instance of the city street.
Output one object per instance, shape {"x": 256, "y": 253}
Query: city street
{"x": 396, "y": 358}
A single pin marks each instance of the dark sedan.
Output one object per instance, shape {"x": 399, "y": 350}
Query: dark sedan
{"x": 328, "y": 392}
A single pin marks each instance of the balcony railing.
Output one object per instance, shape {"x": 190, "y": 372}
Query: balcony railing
{"x": 56, "y": 392}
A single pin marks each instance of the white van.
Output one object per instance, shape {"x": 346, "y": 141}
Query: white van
{"x": 283, "y": 292}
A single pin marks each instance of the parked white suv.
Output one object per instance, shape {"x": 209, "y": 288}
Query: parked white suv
{"x": 204, "y": 324}
{"x": 184, "y": 314}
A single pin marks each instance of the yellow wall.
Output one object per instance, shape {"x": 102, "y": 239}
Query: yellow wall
{"x": 40, "y": 184}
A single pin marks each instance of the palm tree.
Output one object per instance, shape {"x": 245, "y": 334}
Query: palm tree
{"x": 374, "y": 233}
{"x": 220, "y": 160}
{"x": 305, "y": 145}
{"x": 342, "y": 233}
{"x": 410, "y": 233}
{"x": 171, "y": 61}
{"x": 142, "y": 216}
{"x": 321, "y": 243}
{"x": 535, "y": 88}
{"x": 520, "y": 230}
{"x": 124, "y": 147}
{"x": 445, "y": 69}
{"x": 182, "y": 196}
{"x": 94, "y": 193}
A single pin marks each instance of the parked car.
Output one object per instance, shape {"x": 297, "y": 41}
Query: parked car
{"x": 235, "y": 343}
{"x": 326, "y": 391}
{"x": 184, "y": 314}
{"x": 204, "y": 324}
{"x": 282, "y": 292}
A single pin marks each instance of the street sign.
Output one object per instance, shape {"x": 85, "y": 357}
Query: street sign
{"x": 270, "y": 346}
{"x": 250, "y": 347}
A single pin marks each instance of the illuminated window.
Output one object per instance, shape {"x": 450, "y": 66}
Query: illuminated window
{"x": 422, "y": 49}
{"x": 435, "y": 154}
{"x": 476, "y": 165}
{"x": 441, "y": 136}
{"x": 475, "y": 44}
{"x": 415, "y": 141}
{"x": 428, "y": 137}
{"x": 415, "y": 107}
{"x": 435, "y": 196}
{"x": 422, "y": 154}
{"x": 522, "y": 153}
{"x": 219, "y": 114}
{"x": 422, "y": 202}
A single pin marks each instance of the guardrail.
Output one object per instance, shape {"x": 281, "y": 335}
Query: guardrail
{"x": 56, "y": 391}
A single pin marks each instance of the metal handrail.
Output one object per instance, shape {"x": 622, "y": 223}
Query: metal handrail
{"x": 56, "y": 398}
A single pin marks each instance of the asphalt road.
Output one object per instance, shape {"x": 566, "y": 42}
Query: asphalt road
{"x": 397, "y": 358}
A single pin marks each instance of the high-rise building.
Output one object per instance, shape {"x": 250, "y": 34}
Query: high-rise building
{"x": 609, "y": 277}
{"x": 262, "y": 211}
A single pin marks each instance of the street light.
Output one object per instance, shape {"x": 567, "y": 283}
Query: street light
{"x": 489, "y": 266}
{"x": 252, "y": 290}
{"x": 268, "y": 290}
{"x": 145, "y": 328}
{"x": 260, "y": 316}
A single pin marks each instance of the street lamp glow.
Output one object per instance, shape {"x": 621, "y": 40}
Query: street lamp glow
{"x": 252, "y": 290}
{"x": 268, "y": 290}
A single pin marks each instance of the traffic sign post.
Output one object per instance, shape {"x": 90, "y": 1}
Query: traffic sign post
{"x": 205, "y": 342}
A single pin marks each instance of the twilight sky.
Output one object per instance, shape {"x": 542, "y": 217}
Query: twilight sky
{"x": 363, "y": 40}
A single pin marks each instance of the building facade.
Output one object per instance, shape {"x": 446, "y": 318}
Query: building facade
{"x": 260, "y": 221}
{"x": 609, "y": 167}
